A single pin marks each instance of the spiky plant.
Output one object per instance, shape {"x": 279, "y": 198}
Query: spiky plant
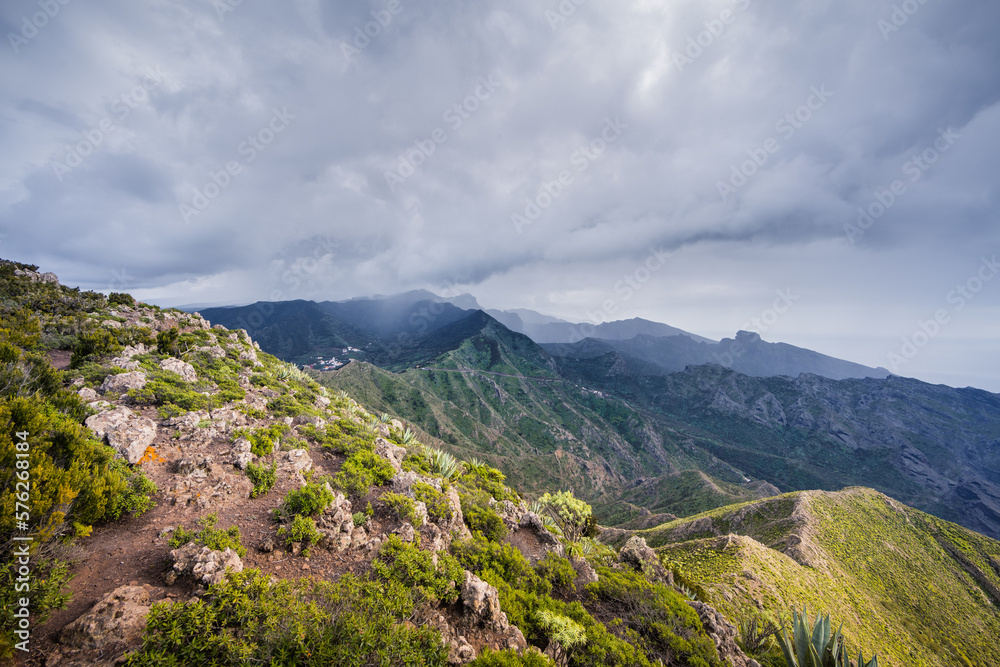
{"x": 441, "y": 462}
{"x": 409, "y": 437}
{"x": 756, "y": 635}
{"x": 384, "y": 418}
{"x": 819, "y": 647}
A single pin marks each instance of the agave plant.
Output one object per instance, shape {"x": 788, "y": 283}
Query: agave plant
{"x": 384, "y": 418}
{"x": 818, "y": 648}
{"x": 442, "y": 462}
{"x": 409, "y": 437}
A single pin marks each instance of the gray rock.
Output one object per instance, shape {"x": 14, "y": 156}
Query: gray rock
{"x": 391, "y": 452}
{"x": 122, "y": 382}
{"x": 482, "y": 602}
{"x": 637, "y": 555}
{"x": 205, "y": 565}
{"x": 119, "y": 618}
{"x": 128, "y": 433}
{"x": 182, "y": 368}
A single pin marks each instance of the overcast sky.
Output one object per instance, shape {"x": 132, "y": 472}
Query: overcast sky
{"x": 700, "y": 163}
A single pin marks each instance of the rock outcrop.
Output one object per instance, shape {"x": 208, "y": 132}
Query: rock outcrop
{"x": 119, "y": 618}
{"x": 205, "y": 565}
{"x": 128, "y": 433}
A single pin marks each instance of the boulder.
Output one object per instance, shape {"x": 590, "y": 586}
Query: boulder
{"x": 119, "y": 618}
{"x": 391, "y": 452}
{"x": 482, "y": 602}
{"x": 242, "y": 455}
{"x": 724, "y": 634}
{"x": 128, "y": 433}
{"x": 182, "y": 368}
{"x": 88, "y": 394}
{"x": 637, "y": 555}
{"x": 294, "y": 462}
{"x": 122, "y": 382}
{"x": 213, "y": 351}
{"x": 205, "y": 565}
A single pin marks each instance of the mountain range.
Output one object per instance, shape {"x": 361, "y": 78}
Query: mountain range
{"x": 602, "y": 416}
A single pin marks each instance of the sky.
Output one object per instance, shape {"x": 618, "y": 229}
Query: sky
{"x": 824, "y": 173}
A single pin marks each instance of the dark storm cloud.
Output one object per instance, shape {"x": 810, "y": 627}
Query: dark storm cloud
{"x": 531, "y": 155}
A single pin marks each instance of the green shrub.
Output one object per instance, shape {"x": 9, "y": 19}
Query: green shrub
{"x": 121, "y": 298}
{"x": 214, "y": 538}
{"x": 496, "y": 560}
{"x": 251, "y": 619}
{"x": 510, "y": 658}
{"x": 263, "y": 440}
{"x": 416, "y": 569}
{"x": 482, "y": 477}
{"x": 303, "y": 530}
{"x": 570, "y": 513}
{"x": 342, "y": 437}
{"x": 360, "y": 471}
{"x": 438, "y": 506}
{"x": 403, "y": 507}
{"x": 653, "y": 617}
{"x": 92, "y": 344}
{"x": 309, "y": 500}
{"x": 262, "y": 478}
{"x": 556, "y": 570}
{"x": 480, "y": 518}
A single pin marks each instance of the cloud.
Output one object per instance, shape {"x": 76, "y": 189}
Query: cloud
{"x": 414, "y": 136}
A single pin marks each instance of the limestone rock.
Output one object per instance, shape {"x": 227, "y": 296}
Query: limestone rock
{"x": 122, "y": 382}
{"x": 205, "y": 565}
{"x": 294, "y": 462}
{"x": 242, "y": 455}
{"x": 724, "y": 634}
{"x": 182, "y": 368}
{"x": 482, "y": 603}
{"x": 637, "y": 555}
{"x": 391, "y": 452}
{"x": 120, "y": 617}
{"x": 128, "y": 433}
{"x": 88, "y": 394}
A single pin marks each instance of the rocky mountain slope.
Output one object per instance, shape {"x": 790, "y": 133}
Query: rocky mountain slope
{"x": 230, "y": 510}
{"x": 925, "y": 590}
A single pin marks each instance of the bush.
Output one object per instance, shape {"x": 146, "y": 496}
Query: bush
{"x": 482, "y": 477}
{"x": 416, "y": 569}
{"x": 308, "y": 500}
{"x": 556, "y": 570}
{"x": 404, "y": 508}
{"x": 510, "y": 658}
{"x": 303, "y": 530}
{"x": 121, "y": 298}
{"x": 494, "y": 560}
{"x": 262, "y": 478}
{"x": 251, "y": 619}
{"x": 480, "y": 518}
{"x": 570, "y": 513}
{"x": 438, "y": 506}
{"x": 214, "y": 538}
{"x": 94, "y": 343}
{"x": 263, "y": 441}
{"x": 360, "y": 471}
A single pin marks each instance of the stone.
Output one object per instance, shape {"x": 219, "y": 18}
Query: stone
{"x": 182, "y": 368}
{"x": 242, "y": 456}
{"x": 122, "y": 382}
{"x": 724, "y": 634}
{"x": 88, "y": 394}
{"x": 128, "y": 433}
{"x": 205, "y": 565}
{"x": 119, "y": 618}
{"x": 482, "y": 602}
{"x": 294, "y": 462}
{"x": 637, "y": 555}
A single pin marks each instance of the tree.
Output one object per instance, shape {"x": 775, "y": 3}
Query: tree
{"x": 569, "y": 512}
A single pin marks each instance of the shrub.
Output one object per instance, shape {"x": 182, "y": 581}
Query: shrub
{"x": 308, "y": 500}
{"x": 416, "y": 569}
{"x": 570, "y": 513}
{"x": 510, "y": 658}
{"x": 438, "y": 506}
{"x": 94, "y": 343}
{"x": 495, "y": 560}
{"x": 556, "y": 570}
{"x": 264, "y": 440}
{"x": 485, "y": 478}
{"x": 166, "y": 342}
{"x": 262, "y": 478}
{"x": 480, "y": 518}
{"x": 361, "y": 470}
{"x": 251, "y": 619}
{"x": 121, "y": 298}
{"x": 303, "y": 530}
{"x": 214, "y": 538}
{"x": 403, "y": 507}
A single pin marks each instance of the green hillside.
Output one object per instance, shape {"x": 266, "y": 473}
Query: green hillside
{"x": 922, "y": 590}
{"x": 496, "y": 396}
